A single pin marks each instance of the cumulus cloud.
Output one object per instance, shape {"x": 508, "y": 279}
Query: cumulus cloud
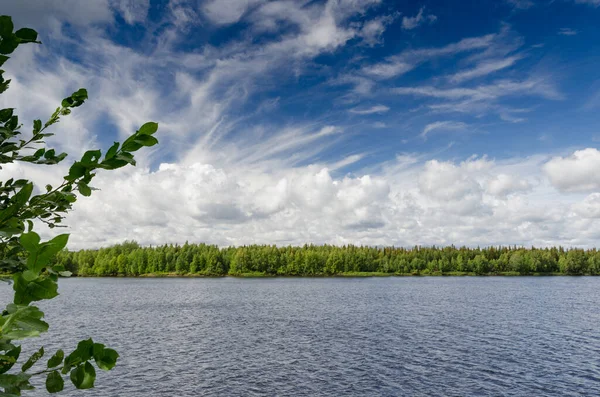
{"x": 503, "y": 185}
{"x": 589, "y": 208}
{"x": 575, "y": 173}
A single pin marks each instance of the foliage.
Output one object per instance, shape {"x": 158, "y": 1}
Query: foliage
{"x": 31, "y": 261}
{"x": 130, "y": 259}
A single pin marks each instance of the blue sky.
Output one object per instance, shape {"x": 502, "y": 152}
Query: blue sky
{"x": 348, "y": 121}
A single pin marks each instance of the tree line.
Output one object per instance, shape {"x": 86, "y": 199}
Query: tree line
{"x": 131, "y": 259}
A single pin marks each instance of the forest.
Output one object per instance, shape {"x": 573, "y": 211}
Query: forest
{"x": 131, "y": 259}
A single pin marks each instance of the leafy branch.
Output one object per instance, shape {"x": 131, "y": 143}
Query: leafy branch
{"x": 22, "y": 252}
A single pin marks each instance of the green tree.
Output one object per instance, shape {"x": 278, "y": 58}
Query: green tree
{"x": 35, "y": 276}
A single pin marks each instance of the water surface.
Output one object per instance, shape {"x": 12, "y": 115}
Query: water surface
{"x": 470, "y": 336}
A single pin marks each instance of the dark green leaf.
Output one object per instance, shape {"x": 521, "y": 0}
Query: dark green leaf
{"x": 76, "y": 99}
{"x": 91, "y": 157}
{"x": 6, "y": 114}
{"x": 146, "y": 140}
{"x": 77, "y": 170}
{"x": 37, "y": 126}
{"x": 8, "y": 44}
{"x": 26, "y": 34}
{"x": 49, "y": 154}
{"x": 56, "y": 359}
{"x": 54, "y": 382}
{"x": 6, "y": 26}
{"x": 33, "y": 359}
{"x": 3, "y": 58}
{"x": 83, "y": 352}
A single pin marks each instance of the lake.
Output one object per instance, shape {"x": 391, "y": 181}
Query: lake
{"x": 414, "y": 336}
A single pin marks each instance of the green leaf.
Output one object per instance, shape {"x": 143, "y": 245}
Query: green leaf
{"x": 50, "y": 154}
{"x": 112, "y": 151}
{"x": 37, "y": 126}
{"x": 9, "y": 359}
{"x": 130, "y": 145}
{"x": 56, "y": 359}
{"x": 15, "y": 383}
{"x": 77, "y": 170}
{"x": 33, "y": 359}
{"x": 17, "y": 202}
{"x": 84, "y": 189}
{"x": 91, "y": 157}
{"x": 76, "y": 99}
{"x": 6, "y": 26}
{"x": 28, "y": 275}
{"x": 128, "y": 157}
{"x": 6, "y": 114}
{"x": 146, "y": 140}
{"x": 26, "y": 34}
{"x": 66, "y": 273}
{"x": 3, "y": 58}
{"x": 54, "y": 382}
{"x": 41, "y": 288}
{"x": 106, "y": 359}
{"x": 83, "y": 352}
{"x": 149, "y": 128}
{"x": 39, "y": 258}
{"x": 83, "y": 376}
{"x": 9, "y": 44}
{"x": 30, "y": 241}
{"x": 22, "y": 322}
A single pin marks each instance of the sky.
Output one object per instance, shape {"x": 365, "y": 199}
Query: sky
{"x": 366, "y": 122}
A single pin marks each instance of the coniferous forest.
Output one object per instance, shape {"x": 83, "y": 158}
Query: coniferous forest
{"x": 131, "y": 259}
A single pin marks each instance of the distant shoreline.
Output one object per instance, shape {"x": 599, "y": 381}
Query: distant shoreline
{"x": 340, "y": 275}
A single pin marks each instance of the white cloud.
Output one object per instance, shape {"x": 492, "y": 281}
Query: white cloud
{"x": 373, "y": 109}
{"x": 589, "y": 208}
{"x": 484, "y": 68}
{"x": 593, "y": 3}
{"x": 567, "y": 32}
{"x": 224, "y": 12}
{"x": 503, "y": 185}
{"x": 133, "y": 11}
{"x": 442, "y": 125}
{"x": 475, "y": 202}
{"x": 227, "y": 178}
{"x": 575, "y": 173}
{"x": 372, "y": 30}
{"x": 409, "y": 23}
{"x": 521, "y": 4}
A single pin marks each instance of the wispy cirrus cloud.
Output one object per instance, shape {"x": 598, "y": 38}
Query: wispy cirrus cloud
{"x": 446, "y": 125}
{"x": 485, "y": 68}
{"x": 567, "y": 32}
{"x": 409, "y": 23}
{"x": 370, "y": 110}
{"x": 521, "y": 4}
